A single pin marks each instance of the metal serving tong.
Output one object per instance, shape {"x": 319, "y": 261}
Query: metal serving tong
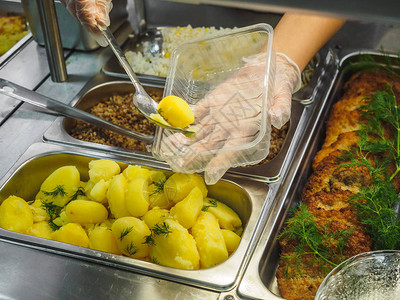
{"x": 18, "y": 92}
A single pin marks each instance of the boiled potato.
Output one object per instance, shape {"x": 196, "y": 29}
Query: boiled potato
{"x": 173, "y": 246}
{"x": 62, "y": 219}
{"x": 133, "y": 171}
{"x": 231, "y": 239}
{"x": 71, "y": 233}
{"x": 176, "y": 111}
{"x": 209, "y": 239}
{"x": 187, "y": 210}
{"x": 157, "y": 176}
{"x": 116, "y": 196}
{"x": 157, "y": 198}
{"x": 86, "y": 211}
{"x": 179, "y": 185}
{"x": 103, "y": 169}
{"x": 154, "y": 216}
{"x": 40, "y": 229}
{"x": 15, "y": 214}
{"x": 98, "y": 190}
{"x": 60, "y": 186}
{"x": 137, "y": 197}
{"x": 130, "y": 233}
{"x": 39, "y": 214}
{"x": 227, "y": 217}
{"x": 101, "y": 238}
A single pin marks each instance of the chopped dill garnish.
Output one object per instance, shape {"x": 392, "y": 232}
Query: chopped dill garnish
{"x": 374, "y": 204}
{"x": 149, "y": 240}
{"x": 161, "y": 229}
{"x": 324, "y": 245}
{"x": 159, "y": 186}
{"x": 213, "y": 203}
{"x": 125, "y": 232}
{"x": 58, "y": 191}
{"x": 131, "y": 249}
{"x": 53, "y": 211}
{"x": 79, "y": 192}
{"x": 154, "y": 260}
{"x": 367, "y": 62}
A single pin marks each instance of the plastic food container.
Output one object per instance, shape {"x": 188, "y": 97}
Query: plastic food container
{"x": 371, "y": 275}
{"x": 196, "y": 72}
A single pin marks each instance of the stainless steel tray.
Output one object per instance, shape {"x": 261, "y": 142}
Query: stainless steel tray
{"x": 259, "y": 280}
{"x": 99, "y": 87}
{"x": 246, "y": 197}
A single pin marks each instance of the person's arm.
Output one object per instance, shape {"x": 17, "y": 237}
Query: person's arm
{"x": 296, "y": 40}
{"x": 301, "y": 36}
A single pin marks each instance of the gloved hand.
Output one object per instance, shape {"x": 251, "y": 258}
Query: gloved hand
{"x": 93, "y": 14}
{"x": 230, "y": 116}
{"x": 227, "y": 118}
{"x": 287, "y": 82}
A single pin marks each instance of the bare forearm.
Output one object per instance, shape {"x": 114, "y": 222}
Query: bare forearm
{"x": 301, "y": 36}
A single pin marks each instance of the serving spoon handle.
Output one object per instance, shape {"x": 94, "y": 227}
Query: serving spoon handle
{"x": 18, "y": 92}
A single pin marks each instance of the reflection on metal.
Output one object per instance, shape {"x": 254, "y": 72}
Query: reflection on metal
{"x": 52, "y": 39}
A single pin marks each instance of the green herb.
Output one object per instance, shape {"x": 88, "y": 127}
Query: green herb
{"x": 159, "y": 186}
{"x": 375, "y": 203}
{"x": 149, "y": 240}
{"x": 79, "y": 192}
{"x": 131, "y": 249}
{"x": 161, "y": 229}
{"x": 154, "y": 260}
{"x": 53, "y": 212}
{"x": 321, "y": 243}
{"x": 213, "y": 203}
{"x": 58, "y": 191}
{"x": 125, "y": 232}
{"x": 369, "y": 63}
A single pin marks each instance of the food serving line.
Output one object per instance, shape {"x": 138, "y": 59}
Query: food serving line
{"x": 29, "y": 272}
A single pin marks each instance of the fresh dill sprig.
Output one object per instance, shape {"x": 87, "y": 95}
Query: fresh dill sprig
{"x": 58, "y": 191}
{"x": 161, "y": 229}
{"x": 53, "y": 212}
{"x": 324, "y": 245}
{"x": 131, "y": 249}
{"x": 79, "y": 192}
{"x": 149, "y": 240}
{"x": 374, "y": 206}
{"x": 159, "y": 186}
{"x": 154, "y": 260}
{"x": 377, "y": 149}
{"x": 213, "y": 203}
{"x": 367, "y": 62}
{"x": 125, "y": 232}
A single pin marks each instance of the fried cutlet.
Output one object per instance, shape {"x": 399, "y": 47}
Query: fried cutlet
{"x": 344, "y": 141}
{"x": 328, "y": 176}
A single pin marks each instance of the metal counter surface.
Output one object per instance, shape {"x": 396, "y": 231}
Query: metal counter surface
{"x": 32, "y": 274}
{"x": 36, "y": 275}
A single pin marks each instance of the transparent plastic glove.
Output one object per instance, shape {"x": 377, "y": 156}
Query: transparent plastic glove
{"x": 226, "y": 118}
{"x": 287, "y": 82}
{"x": 93, "y": 15}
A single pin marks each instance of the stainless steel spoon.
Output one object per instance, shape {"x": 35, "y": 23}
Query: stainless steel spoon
{"x": 18, "y": 92}
{"x": 143, "y": 102}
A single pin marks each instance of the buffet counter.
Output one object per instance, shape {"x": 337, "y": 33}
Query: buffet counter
{"x": 30, "y": 272}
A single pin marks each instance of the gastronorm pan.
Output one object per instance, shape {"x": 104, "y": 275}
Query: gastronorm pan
{"x": 99, "y": 87}
{"x": 246, "y": 197}
{"x": 13, "y": 7}
{"x": 259, "y": 280}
